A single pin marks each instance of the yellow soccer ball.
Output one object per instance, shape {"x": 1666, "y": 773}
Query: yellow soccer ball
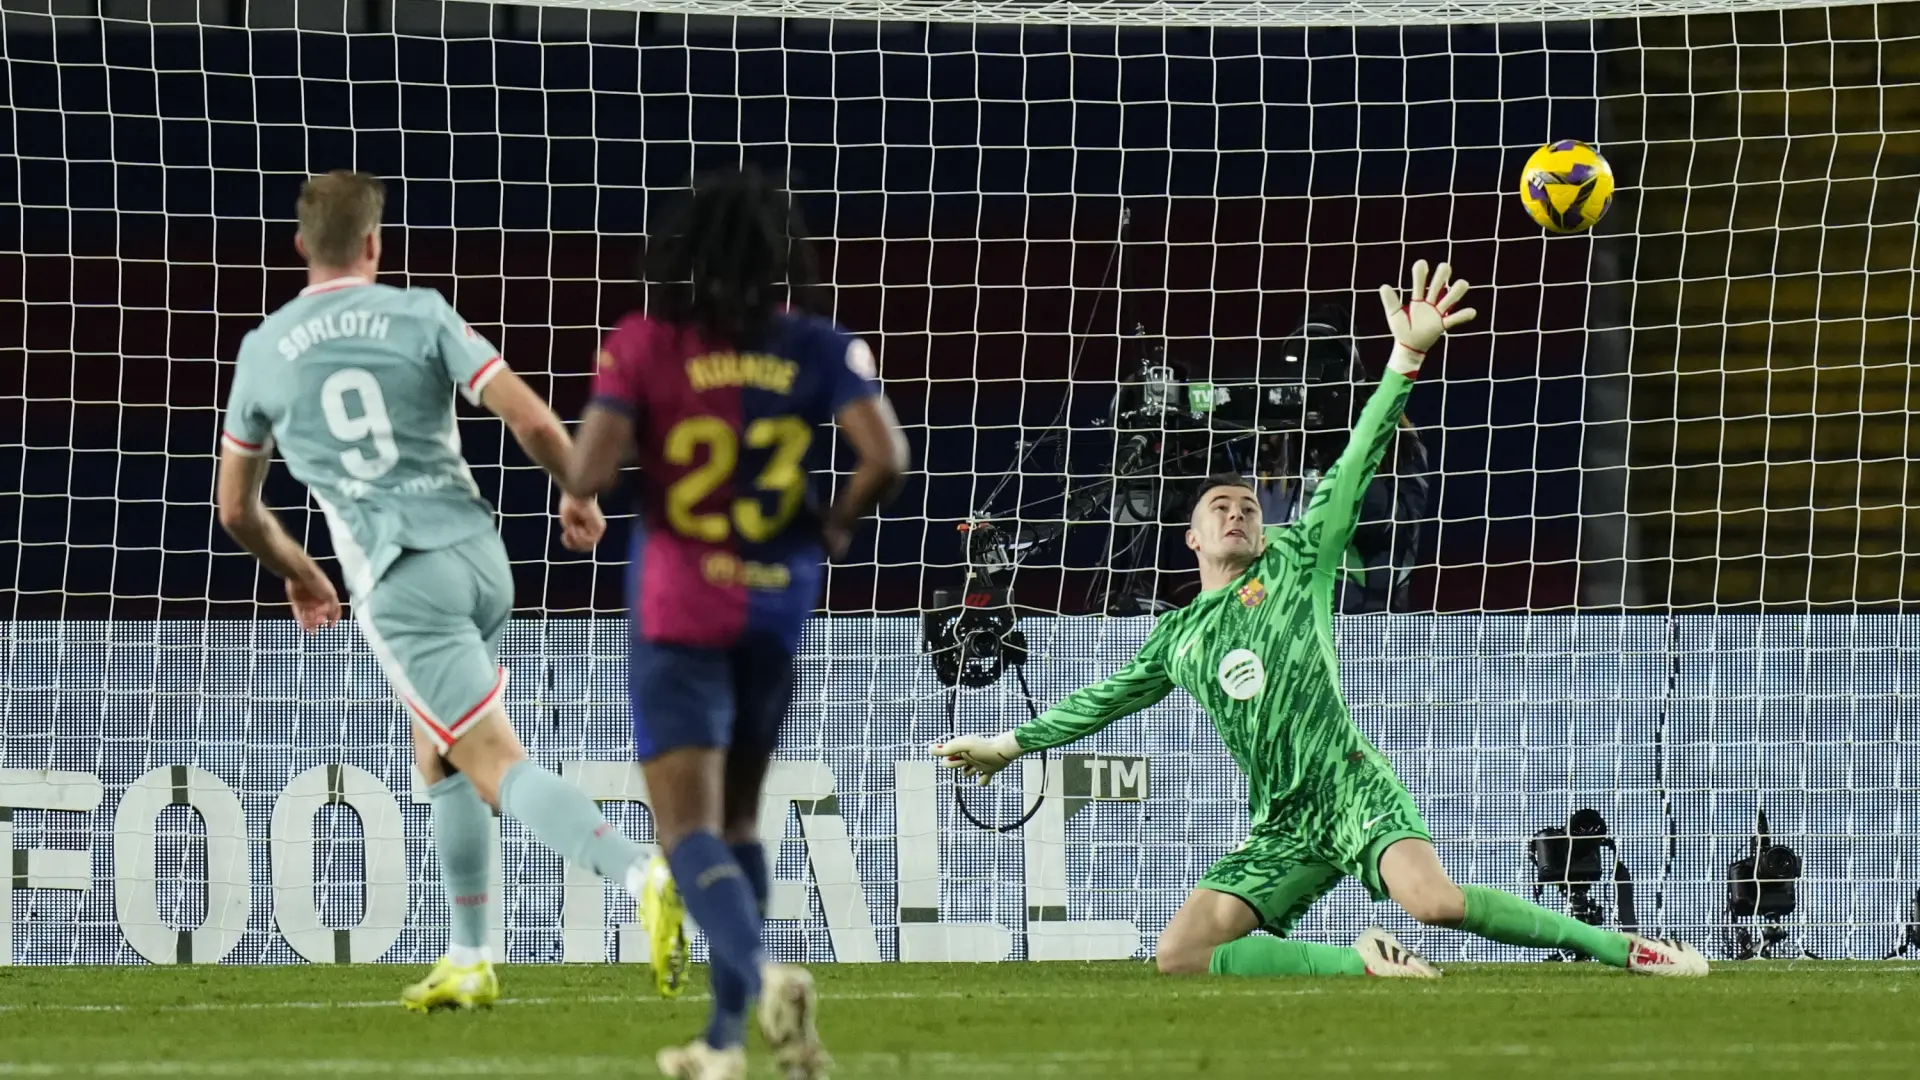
{"x": 1567, "y": 186}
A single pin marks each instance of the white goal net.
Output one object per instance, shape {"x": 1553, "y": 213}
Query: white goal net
{"x": 1644, "y": 556}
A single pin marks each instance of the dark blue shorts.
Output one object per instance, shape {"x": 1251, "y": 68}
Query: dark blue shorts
{"x": 733, "y": 697}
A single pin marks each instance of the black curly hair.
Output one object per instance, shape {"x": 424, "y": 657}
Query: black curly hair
{"x": 731, "y": 257}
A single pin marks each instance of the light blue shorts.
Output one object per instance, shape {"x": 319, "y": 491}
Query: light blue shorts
{"x": 434, "y": 620}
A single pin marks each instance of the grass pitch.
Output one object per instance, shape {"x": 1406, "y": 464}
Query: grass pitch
{"x": 1808, "y": 1019}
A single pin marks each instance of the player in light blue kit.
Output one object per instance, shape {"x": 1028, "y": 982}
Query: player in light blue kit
{"x": 354, "y": 382}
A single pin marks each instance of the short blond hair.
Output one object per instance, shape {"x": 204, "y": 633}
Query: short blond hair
{"x": 337, "y": 211}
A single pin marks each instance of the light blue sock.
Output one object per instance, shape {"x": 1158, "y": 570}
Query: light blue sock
{"x": 462, "y": 831}
{"x": 563, "y": 818}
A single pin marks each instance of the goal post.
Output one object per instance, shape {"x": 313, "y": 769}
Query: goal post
{"x": 1162, "y": 14}
{"x": 1659, "y": 570}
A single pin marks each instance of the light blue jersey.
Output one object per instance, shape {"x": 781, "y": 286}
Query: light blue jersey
{"x": 353, "y": 382}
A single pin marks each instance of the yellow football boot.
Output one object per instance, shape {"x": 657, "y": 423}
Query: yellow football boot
{"x": 449, "y": 986}
{"x": 665, "y": 918}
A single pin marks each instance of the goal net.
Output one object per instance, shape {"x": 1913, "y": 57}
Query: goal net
{"x": 1643, "y": 563}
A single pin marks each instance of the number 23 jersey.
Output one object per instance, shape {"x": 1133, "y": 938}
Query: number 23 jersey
{"x": 354, "y": 382}
{"x": 728, "y": 540}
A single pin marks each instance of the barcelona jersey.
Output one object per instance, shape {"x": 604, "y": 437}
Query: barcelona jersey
{"x": 728, "y": 540}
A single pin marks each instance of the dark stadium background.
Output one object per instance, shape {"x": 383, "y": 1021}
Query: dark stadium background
{"x": 149, "y": 175}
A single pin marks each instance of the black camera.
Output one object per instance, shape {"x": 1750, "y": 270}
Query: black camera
{"x": 1309, "y": 387}
{"x": 971, "y": 636}
{"x": 1174, "y": 429}
{"x": 1761, "y": 887}
{"x": 1569, "y": 858}
{"x": 971, "y": 633}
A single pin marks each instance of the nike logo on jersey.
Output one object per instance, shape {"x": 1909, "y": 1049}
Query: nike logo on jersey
{"x": 1188, "y": 647}
{"x": 1368, "y": 827}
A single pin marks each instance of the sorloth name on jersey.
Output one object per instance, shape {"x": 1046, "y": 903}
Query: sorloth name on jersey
{"x": 340, "y": 324}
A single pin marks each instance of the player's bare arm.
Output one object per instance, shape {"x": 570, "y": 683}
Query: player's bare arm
{"x": 544, "y": 438}
{"x": 253, "y": 526}
{"x": 881, "y": 459}
{"x": 604, "y": 445}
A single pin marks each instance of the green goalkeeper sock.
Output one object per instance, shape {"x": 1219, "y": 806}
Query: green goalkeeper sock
{"x": 1509, "y": 920}
{"x": 1278, "y": 956}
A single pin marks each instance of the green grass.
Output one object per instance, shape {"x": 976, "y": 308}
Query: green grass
{"x": 1008, "y": 1020}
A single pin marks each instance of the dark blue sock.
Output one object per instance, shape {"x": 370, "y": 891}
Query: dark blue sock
{"x": 719, "y": 898}
{"x": 726, "y": 984}
{"x": 753, "y": 863}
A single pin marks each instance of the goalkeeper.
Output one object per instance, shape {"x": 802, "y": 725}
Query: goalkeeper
{"x": 1255, "y": 648}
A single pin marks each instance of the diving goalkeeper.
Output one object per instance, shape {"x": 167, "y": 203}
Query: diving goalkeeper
{"x": 1255, "y": 649}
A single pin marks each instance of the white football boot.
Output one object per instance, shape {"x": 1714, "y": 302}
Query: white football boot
{"x": 1670, "y": 957}
{"x": 1386, "y": 958}
{"x": 698, "y": 1061}
{"x": 788, "y": 1004}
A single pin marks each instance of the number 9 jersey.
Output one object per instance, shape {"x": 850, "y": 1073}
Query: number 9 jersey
{"x": 354, "y": 381}
{"x": 728, "y": 539}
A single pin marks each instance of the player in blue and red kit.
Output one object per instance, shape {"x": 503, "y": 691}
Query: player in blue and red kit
{"x": 721, "y": 393}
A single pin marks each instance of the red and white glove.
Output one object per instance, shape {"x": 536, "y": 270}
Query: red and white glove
{"x": 979, "y": 756}
{"x": 1418, "y": 323}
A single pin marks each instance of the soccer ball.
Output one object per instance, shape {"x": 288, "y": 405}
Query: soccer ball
{"x": 1567, "y": 186}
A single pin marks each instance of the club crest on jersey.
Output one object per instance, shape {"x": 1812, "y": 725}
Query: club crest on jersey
{"x": 1252, "y": 593}
{"x": 1242, "y": 675}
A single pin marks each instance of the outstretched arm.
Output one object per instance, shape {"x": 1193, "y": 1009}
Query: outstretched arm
{"x": 1334, "y": 512}
{"x": 1142, "y": 683}
{"x": 1330, "y": 518}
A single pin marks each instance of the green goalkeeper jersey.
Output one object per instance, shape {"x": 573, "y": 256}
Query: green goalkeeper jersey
{"x": 1257, "y": 654}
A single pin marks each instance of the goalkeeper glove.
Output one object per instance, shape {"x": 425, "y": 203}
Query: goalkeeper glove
{"x": 979, "y": 755}
{"x": 1418, "y": 323}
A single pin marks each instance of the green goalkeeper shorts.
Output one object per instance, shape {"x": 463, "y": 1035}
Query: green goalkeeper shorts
{"x": 1312, "y": 840}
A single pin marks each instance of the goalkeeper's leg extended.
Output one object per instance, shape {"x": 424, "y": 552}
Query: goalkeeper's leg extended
{"x": 1367, "y": 824}
{"x": 1268, "y": 884}
{"x": 1411, "y": 874}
